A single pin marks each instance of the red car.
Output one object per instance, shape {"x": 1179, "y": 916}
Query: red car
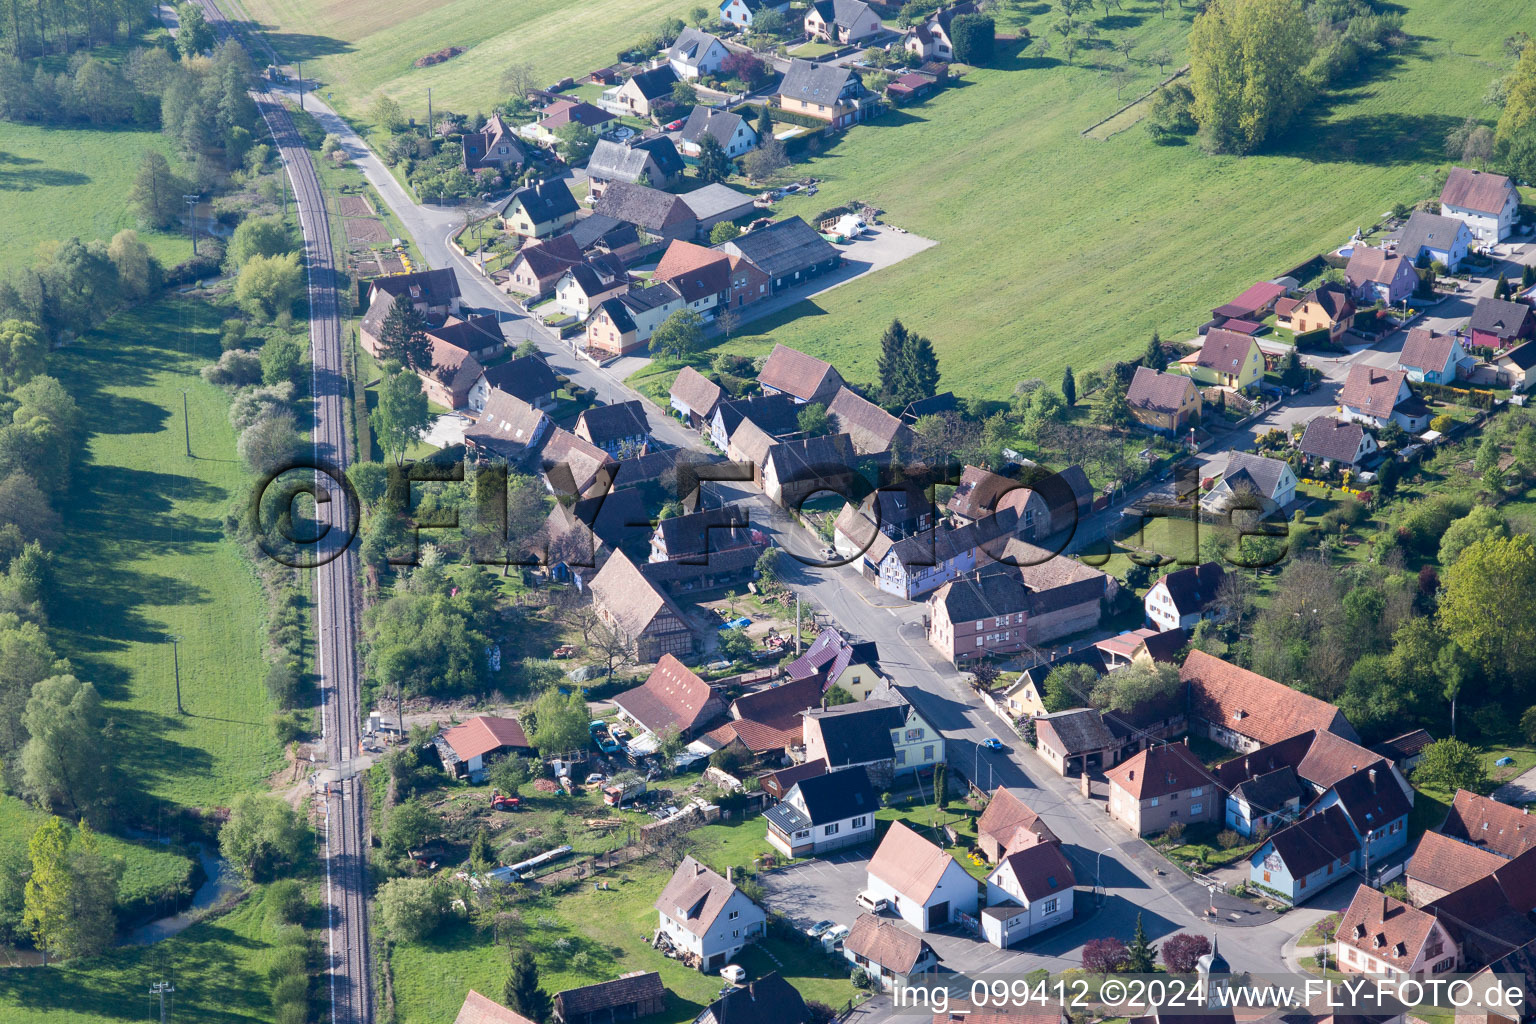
{"x": 674, "y": 126}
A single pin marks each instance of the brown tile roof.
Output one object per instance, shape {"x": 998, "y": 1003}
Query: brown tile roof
{"x": 978, "y": 492}
{"x": 671, "y": 696}
{"x": 770, "y": 719}
{"x": 778, "y": 783}
{"x": 1007, "y": 816}
{"x": 1041, "y": 870}
{"x": 571, "y": 464}
{"x": 1224, "y": 351}
{"x": 623, "y": 991}
{"x": 564, "y": 112}
{"x": 1370, "y": 265}
{"x": 1159, "y": 392}
{"x": 908, "y": 863}
{"x": 1476, "y": 190}
{"x": 1328, "y": 438}
{"x": 694, "y": 896}
{"x": 1158, "y": 771}
{"x": 1449, "y": 865}
{"x": 628, "y": 596}
{"x": 1257, "y": 297}
{"x": 1385, "y": 928}
{"x": 1489, "y": 825}
{"x": 872, "y": 429}
{"x": 886, "y": 942}
{"x": 1315, "y": 842}
{"x": 1075, "y": 731}
{"x": 1253, "y": 706}
{"x": 694, "y": 270}
{"x": 479, "y": 1010}
{"x": 507, "y": 424}
{"x": 1426, "y": 350}
{"x": 696, "y": 391}
{"x": 1331, "y": 758}
{"x": 1371, "y": 390}
{"x": 1332, "y": 300}
{"x": 483, "y": 734}
{"x": 1399, "y": 748}
{"x": 795, "y": 373}
{"x": 1372, "y": 797}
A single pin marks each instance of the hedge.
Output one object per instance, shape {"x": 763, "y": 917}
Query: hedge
{"x": 780, "y": 114}
{"x": 1461, "y": 396}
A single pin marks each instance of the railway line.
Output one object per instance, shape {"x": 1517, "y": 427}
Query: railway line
{"x": 336, "y": 595}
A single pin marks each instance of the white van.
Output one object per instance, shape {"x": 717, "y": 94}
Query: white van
{"x": 872, "y": 903}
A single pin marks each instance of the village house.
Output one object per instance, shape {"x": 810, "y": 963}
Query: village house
{"x": 883, "y": 734}
{"x": 804, "y": 378}
{"x": 1488, "y": 204}
{"x": 1164, "y": 402}
{"x": 538, "y": 266}
{"x": 1376, "y": 397}
{"x": 774, "y": 415}
{"x": 1432, "y": 358}
{"x": 696, "y": 536}
{"x": 1142, "y": 646}
{"x": 921, "y": 563}
{"x": 562, "y": 113}
{"x": 766, "y": 1000}
{"x": 1305, "y": 857}
{"x": 1513, "y": 367}
{"x": 694, "y": 397}
{"x": 1252, "y": 482}
{"x": 639, "y": 94}
{"x": 898, "y": 511}
{"x": 788, "y": 252}
{"x": 826, "y": 92}
{"x": 1328, "y": 308}
{"x": 1337, "y": 442}
{"x": 453, "y": 372}
{"x": 1045, "y": 507}
{"x": 1029, "y": 891}
{"x": 635, "y": 161}
{"x": 1497, "y": 323}
{"x": 625, "y": 323}
{"x": 926, "y": 887}
{"x": 1266, "y": 801}
{"x": 1185, "y": 597}
{"x": 672, "y": 697}
{"x": 596, "y": 233}
{"x": 1379, "y": 275}
{"x": 872, "y": 430}
{"x": 696, "y": 53}
{"x": 1431, "y": 238}
{"x": 658, "y": 214}
{"x": 855, "y": 667}
{"x": 823, "y": 813}
{"x": 701, "y": 275}
{"x": 493, "y": 146}
{"x": 1375, "y": 805}
{"x": 717, "y": 203}
{"x": 1490, "y": 921}
{"x": 1227, "y": 359}
{"x": 614, "y": 428}
{"x": 1383, "y": 936}
{"x": 1005, "y": 609}
{"x": 1441, "y": 865}
{"x": 841, "y": 21}
{"x": 1162, "y": 785}
{"x": 573, "y": 467}
{"x": 892, "y": 956}
{"x": 1405, "y": 751}
{"x": 509, "y": 429}
{"x": 734, "y": 132}
{"x": 739, "y": 13}
{"x": 793, "y": 471}
{"x": 632, "y": 606}
{"x": 1075, "y": 741}
{"x": 477, "y": 1009}
{"x": 1487, "y": 824}
{"x": 432, "y": 293}
{"x": 630, "y": 996}
{"x": 585, "y": 532}
{"x": 586, "y": 284}
{"x": 769, "y": 722}
{"x": 777, "y": 784}
{"x": 704, "y": 915}
{"x": 1022, "y": 699}
{"x": 1243, "y": 711}
{"x": 539, "y": 210}
{"x": 1252, "y": 305}
{"x": 931, "y": 39}
{"x": 1321, "y": 760}
{"x": 913, "y": 86}
{"x": 466, "y": 750}
{"x": 1009, "y": 825}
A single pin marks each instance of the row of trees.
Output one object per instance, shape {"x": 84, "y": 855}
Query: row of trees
{"x": 31, "y": 28}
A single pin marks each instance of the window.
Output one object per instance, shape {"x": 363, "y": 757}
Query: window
{"x": 830, "y": 830}
{"x": 860, "y": 821}
{"x": 901, "y": 757}
{"x": 802, "y": 833}
{"x": 1443, "y": 965}
{"x": 735, "y": 933}
{"x": 1152, "y": 802}
{"x": 980, "y": 641}
{"x": 733, "y": 915}
{"x": 1195, "y": 808}
{"x": 928, "y": 752}
{"x": 1049, "y": 906}
{"x": 1196, "y": 791}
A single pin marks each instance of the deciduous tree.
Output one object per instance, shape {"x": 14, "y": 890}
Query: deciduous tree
{"x": 263, "y": 836}
{"x": 402, "y": 414}
{"x": 1449, "y": 765}
{"x": 65, "y": 764}
{"x": 1246, "y": 70}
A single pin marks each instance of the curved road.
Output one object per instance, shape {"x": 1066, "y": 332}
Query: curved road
{"x": 350, "y": 982}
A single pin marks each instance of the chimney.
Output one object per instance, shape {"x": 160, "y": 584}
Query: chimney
{"x": 1186, "y": 739}
{"x": 1371, "y": 774}
{"x": 823, "y": 702}
{"x": 730, "y": 874}
{"x": 1247, "y": 770}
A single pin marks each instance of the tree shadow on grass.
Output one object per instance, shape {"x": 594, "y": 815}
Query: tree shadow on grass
{"x": 292, "y": 46}
{"x": 39, "y": 177}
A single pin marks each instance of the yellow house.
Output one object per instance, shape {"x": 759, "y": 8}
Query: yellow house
{"x": 539, "y": 210}
{"x": 852, "y": 666}
{"x": 1227, "y": 359}
{"x": 1165, "y": 402}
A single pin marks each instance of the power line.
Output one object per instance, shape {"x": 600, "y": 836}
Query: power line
{"x": 162, "y": 989}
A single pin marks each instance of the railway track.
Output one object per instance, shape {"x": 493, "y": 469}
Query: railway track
{"x": 350, "y": 976}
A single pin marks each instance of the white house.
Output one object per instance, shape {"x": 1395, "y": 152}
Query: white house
{"x": 887, "y": 952}
{"x": 823, "y": 813}
{"x": 1330, "y": 441}
{"x": 1181, "y": 599}
{"x": 1029, "y": 891}
{"x": 734, "y": 133}
{"x": 1488, "y": 204}
{"x": 1270, "y": 480}
{"x": 705, "y": 914}
{"x": 581, "y": 288}
{"x": 465, "y": 748}
{"x": 696, "y": 53}
{"x": 739, "y": 13}
{"x": 1376, "y": 397}
{"x": 925, "y": 886}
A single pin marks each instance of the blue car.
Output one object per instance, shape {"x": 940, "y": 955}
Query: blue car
{"x": 992, "y": 743}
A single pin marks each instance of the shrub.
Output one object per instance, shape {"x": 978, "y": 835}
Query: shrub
{"x": 1442, "y": 423}
{"x": 236, "y": 368}
{"x": 1228, "y": 838}
{"x": 1174, "y": 832}
{"x": 285, "y": 902}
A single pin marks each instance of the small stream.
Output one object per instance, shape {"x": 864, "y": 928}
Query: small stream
{"x": 219, "y": 881}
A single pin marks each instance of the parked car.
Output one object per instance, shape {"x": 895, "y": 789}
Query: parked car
{"x": 734, "y": 973}
{"x": 992, "y": 743}
{"x": 820, "y": 928}
{"x": 833, "y": 938}
{"x": 872, "y": 903}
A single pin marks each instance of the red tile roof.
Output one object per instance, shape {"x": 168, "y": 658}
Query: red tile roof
{"x": 886, "y": 943}
{"x": 477, "y": 1009}
{"x": 795, "y": 373}
{"x": 1041, "y": 870}
{"x": 1371, "y": 390}
{"x": 1490, "y": 825}
{"x": 1370, "y": 265}
{"x": 909, "y": 863}
{"x": 1253, "y": 706}
{"x": 694, "y": 896}
{"x": 1011, "y": 822}
{"x": 483, "y": 734}
{"x": 1160, "y": 392}
{"x": 1158, "y": 771}
{"x": 1448, "y": 864}
{"x": 1426, "y": 350}
{"x": 1224, "y": 351}
{"x": 1257, "y": 297}
{"x": 1385, "y": 928}
{"x": 672, "y": 696}
{"x": 1476, "y": 190}
{"x": 696, "y": 391}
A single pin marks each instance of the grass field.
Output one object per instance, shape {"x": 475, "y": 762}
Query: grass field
{"x": 218, "y": 968}
{"x": 145, "y": 557}
{"x": 56, "y": 182}
{"x": 359, "y": 49}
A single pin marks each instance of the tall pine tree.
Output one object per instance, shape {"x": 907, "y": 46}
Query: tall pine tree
{"x": 922, "y": 369}
{"x": 889, "y": 365}
{"x": 1155, "y": 357}
{"x": 402, "y": 337}
{"x": 1141, "y": 954}
{"x": 522, "y": 992}
{"x": 1069, "y": 388}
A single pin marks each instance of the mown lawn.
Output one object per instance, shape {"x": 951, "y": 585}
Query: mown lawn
{"x": 145, "y": 557}
{"x": 58, "y": 182}
{"x": 218, "y": 968}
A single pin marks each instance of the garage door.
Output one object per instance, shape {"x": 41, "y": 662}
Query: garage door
{"x": 938, "y": 915}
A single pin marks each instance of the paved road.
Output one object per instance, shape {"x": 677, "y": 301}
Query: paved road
{"x": 351, "y": 990}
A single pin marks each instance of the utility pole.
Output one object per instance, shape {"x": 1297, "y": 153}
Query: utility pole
{"x": 797, "y": 625}
{"x": 191, "y": 202}
{"x": 186, "y": 424}
{"x": 176, "y": 663}
{"x": 429, "y": 113}
{"x": 162, "y": 989}
{"x": 300, "y": 65}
